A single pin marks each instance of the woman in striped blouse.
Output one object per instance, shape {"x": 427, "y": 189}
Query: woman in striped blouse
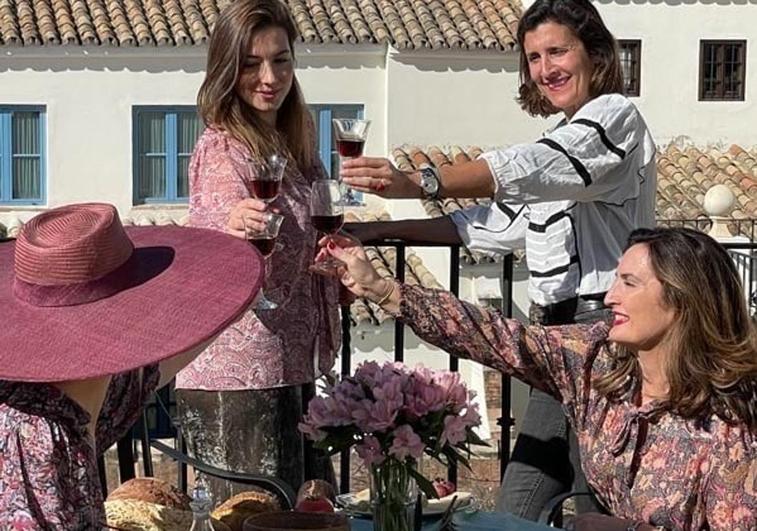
{"x": 572, "y": 198}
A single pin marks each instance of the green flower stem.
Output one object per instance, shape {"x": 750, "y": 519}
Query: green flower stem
{"x": 392, "y": 496}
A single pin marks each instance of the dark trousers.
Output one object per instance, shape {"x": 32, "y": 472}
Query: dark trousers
{"x": 251, "y": 431}
{"x": 545, "y": 460}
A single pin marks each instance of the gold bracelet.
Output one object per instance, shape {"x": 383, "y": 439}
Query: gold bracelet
{"x": 388, "y": 294}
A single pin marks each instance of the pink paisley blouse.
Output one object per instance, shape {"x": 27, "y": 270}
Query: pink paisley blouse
{"x": 645, "y": 462}
{"x": 290, "y": 345}
{"x": 48, "y": 468}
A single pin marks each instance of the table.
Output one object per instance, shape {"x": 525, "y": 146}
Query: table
{"x": 468, "y": 521}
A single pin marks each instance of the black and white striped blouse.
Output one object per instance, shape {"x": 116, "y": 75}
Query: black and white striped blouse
{"x": 571, "y": 198}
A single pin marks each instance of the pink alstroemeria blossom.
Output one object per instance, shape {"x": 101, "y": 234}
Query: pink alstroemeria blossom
{"x": 455, "y": 392}
{"x": 406, "y": 443}
{"x": 328, "y": 412}
{"x": 370, "y": 451}
{"x": 472, "y": 417}
{"x": 311, "y": 431}
{"x": 372, "y": 416}
{"x": 425, "y": 397}
{"x": 454, "y": 430}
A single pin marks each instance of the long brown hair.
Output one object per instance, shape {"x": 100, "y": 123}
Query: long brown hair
{"x": 713, "y": 364}
{"x": 583, "y": 19}
{"x": 218, "y": 102}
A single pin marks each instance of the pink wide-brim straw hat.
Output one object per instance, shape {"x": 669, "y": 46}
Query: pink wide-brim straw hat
{"x": 83, "y": 297}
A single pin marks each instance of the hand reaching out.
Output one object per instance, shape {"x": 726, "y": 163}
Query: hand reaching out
{"x": 356, "y": 274}
{"x": 378, "y": 176}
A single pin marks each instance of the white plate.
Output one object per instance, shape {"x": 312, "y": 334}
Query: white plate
{"x": 357, "y": 503}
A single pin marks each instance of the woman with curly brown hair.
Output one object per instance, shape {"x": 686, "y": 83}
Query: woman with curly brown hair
{"x": 663, "y": 400}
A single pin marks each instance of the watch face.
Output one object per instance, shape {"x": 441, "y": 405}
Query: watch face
{"x": 429, "y": 182}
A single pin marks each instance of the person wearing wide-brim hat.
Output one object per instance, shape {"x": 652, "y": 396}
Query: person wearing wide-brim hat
{"x": 95, "y": 317}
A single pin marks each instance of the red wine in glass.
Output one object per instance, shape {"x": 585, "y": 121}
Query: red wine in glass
{"x": 265, "y": 190}
{"x": 264, "y": 245}
{"x": 328, "y": 224}
{"x": 349, "y": 147}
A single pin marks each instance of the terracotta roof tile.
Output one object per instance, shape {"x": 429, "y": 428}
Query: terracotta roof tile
{"x": 405, "y": 24}
{"x": 684, "y": 174}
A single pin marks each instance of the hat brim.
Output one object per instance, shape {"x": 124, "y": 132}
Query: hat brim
{"x": 199, "y": 281}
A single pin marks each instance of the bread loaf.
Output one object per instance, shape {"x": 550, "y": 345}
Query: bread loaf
{"x": 236, "y": 509}
{"x": 134, "y": 515}
{"x": 152, "y": 490}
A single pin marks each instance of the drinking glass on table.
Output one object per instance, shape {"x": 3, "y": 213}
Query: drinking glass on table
{"x": 265, "y": 241}
{"x": 326, "y": 215}
{"x": 265, "y": 177}
{"x": 350, "y": 135}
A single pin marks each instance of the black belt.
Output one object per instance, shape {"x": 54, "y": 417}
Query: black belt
{"x": 564, "y": 312}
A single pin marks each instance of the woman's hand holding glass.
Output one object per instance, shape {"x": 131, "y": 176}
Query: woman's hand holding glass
{"x": 356, "y": 272}
{"x": 378, "y": 176}
{"x": 248, "y": 213}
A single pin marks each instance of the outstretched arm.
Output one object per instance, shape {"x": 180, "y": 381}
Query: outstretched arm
{"x": 553, "y": 359}
{"x": 379, "y": 176}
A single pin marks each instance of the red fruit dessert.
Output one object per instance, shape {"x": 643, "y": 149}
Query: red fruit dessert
{"x": 443, "y": 487}
{"x": 314, "y": 505}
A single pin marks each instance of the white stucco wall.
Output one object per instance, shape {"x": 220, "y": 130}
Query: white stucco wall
{"x": 670, "y": 32}
{"x": 89, "y": 95}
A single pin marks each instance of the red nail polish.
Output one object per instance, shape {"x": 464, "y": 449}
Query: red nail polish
{"x": 331, "y": 245}
{"x": 380, "y": 186}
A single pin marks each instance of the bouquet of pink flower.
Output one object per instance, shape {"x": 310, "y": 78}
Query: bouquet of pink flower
{"x": 395, "y": 414}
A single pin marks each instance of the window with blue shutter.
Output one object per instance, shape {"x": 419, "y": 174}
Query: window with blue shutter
{"x": 164, "y": 138}
{"x": 22, "y": 155}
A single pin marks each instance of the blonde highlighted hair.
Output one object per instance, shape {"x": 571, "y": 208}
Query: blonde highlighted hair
{"x": 713, "y": 366}
{"x": 219, "y": 104}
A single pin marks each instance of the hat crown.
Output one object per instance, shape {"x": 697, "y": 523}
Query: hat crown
{"x": 71, "y": 244}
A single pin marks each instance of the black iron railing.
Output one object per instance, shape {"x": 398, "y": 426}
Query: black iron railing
{"x": 738, "y": 227}
{"x": 743, "y": 255}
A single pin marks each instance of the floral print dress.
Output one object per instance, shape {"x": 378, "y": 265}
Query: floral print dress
{"x": 48, "y": 468}
{"x": 644, "y": 462}
{"x": 295, "y": 343}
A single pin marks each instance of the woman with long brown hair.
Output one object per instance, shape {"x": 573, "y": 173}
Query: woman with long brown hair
{"x": 663, "y": 400}
{"x": 240, "y": 401}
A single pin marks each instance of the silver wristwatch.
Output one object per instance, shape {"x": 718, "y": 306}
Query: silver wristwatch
{"x": 430, "y": 181}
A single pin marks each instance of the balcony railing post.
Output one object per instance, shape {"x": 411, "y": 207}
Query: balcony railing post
{"x": 505, "y": 421}
{"x": 454, "y": 363}
{"x": 344, "y": 457}
{"x": 399, "y": 328}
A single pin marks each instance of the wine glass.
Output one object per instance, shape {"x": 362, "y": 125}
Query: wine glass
{"x": 265, "y": 242}
{"x": 326, "y": 215}
{"x": 265, "y": 177}
{"x": 350, "y": 135}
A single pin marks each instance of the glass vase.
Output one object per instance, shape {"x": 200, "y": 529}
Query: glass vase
{"x": 393, "y": 494}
